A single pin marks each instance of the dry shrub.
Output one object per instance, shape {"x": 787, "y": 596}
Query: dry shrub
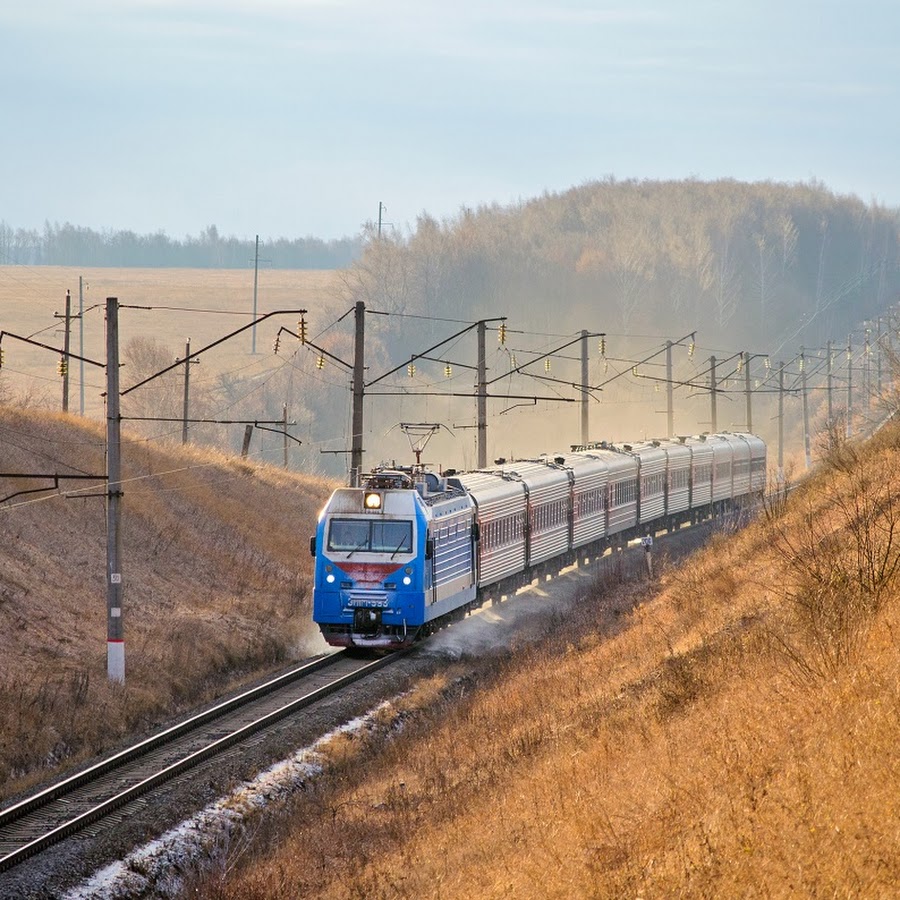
{"x": 835, "y": 449}
{"x": 841, "y": 551}
{"x": 708, "y": 575}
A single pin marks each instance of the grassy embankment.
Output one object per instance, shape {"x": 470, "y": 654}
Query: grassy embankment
{"x": 734, "y": 734}
{"x": 217, "y": 588}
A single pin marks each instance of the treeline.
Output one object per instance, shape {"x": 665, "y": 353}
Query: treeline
{"x": 72, "y": 245}
{"x": 748, "y": 265}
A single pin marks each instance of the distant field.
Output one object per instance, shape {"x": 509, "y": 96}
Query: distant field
{"x": 31, "y": 296}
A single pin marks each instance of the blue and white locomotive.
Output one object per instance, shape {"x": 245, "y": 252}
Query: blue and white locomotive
{"x": 409, "y": 550}
{"x": 393, "y": 557}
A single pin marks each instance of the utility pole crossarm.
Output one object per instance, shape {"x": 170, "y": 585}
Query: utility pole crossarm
{"x": 221, "y": 340}
{"x": 318, "y": 349}
{"x": 260, "y": 427}
{"x": 537, "y": 359}
{"x": 424, "y": 353}
{"x": 584, "y": 390}
{"x": 469, "y": 395}
{"x": 647, "y": 359}
{"x": 256, "y": 422}
{"x": 448, "y": 362}
{"x": 56, "y": 477}
{"x": 26, "y": 340}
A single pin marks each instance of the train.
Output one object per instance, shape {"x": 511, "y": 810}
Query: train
{"x": 410, "y": 550}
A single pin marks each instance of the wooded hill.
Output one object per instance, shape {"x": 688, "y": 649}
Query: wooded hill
{"x": 744, "y": 263}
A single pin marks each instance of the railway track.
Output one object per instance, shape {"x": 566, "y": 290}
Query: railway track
{"x": 91, "y": 797}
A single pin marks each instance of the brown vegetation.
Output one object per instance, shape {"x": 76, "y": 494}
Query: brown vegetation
{"x": 217, "y": 588}
{"x": 734, "y": 735}
{"x": 736, "y": 261}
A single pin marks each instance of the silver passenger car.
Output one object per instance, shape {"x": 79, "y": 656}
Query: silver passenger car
{"x": 502, "y": 514}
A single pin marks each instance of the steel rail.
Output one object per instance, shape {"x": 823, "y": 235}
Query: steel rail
{"x": 36, "y": 802}
{"x": 60, "y": 789}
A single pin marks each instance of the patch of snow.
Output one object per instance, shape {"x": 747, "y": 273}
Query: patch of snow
{"x": 160, "y": 867}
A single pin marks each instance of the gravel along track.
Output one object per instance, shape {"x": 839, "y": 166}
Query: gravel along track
{"x": 323, "y": 695}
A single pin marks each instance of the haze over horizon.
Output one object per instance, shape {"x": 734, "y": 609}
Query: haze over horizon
{"x": 297, "y": 117}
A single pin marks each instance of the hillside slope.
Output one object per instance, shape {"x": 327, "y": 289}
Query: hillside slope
{"x": 217, "y": 586}
{"x": 733, "y": 735}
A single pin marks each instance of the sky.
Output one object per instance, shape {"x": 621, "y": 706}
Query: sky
{"x": 298, "y": 117}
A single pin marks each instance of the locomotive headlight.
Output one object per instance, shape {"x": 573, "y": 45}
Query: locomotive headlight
{"x": 407, "y": 580}
{"x": 372, "y": 500}
{"x": 329, "y": 578}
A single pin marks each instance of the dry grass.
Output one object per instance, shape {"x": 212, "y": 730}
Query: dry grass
{"x": 695, "y": 752}
{"x": 217, "y": 588}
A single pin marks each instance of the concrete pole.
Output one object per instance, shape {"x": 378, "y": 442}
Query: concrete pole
{"x": 187, "y": 388}
{"x": 867, "y": 372}
{"x": 670, "y": 403}
{"x": 115, "y": 635}
{"x": 714, "y": 419}
{"x": 481, "y": 398}
{"x": 849, "y": 386}
{"x": 805, "y": 399}
{"x": 81, "y": 338}
{"x": 780, "y": 423}
{"x": 878, "y": 351}
{"x": 66, "y": 339}
{"x": 359, "y": 368}
{"x": 747, "y": 395}
{"x": 284, "y": 432}
{"x": 584, "y": 386}
{"x": 829, "y": 387}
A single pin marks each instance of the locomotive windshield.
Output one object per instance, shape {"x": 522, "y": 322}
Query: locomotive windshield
{"x": 370, "y": 536}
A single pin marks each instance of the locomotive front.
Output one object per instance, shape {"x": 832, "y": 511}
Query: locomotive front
{"x": 369, "y": 547}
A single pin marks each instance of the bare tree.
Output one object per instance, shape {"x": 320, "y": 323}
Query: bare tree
{"x": 161, "y": 397}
